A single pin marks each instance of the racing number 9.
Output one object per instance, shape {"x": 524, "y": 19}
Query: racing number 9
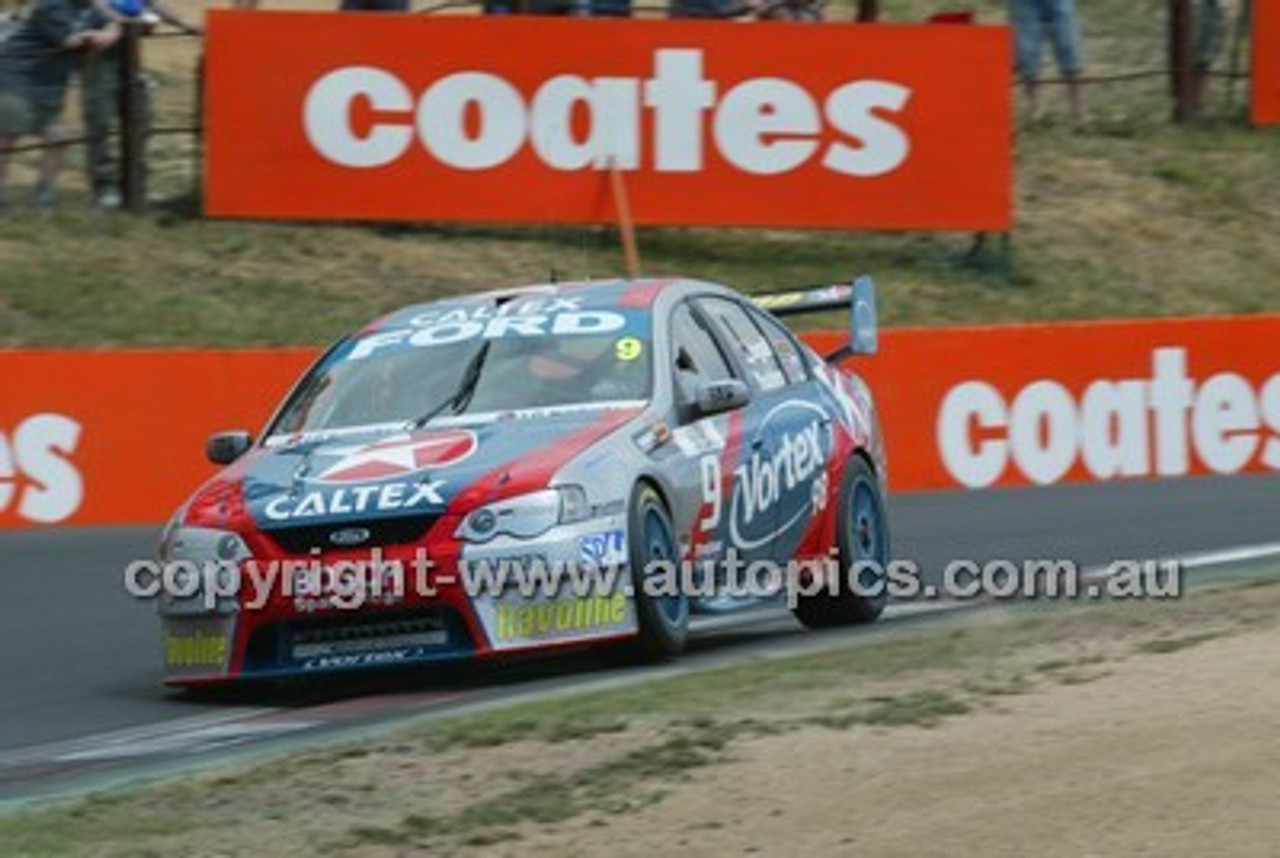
{"x": 627, "y": 349}
{"x": 711, "y": 478}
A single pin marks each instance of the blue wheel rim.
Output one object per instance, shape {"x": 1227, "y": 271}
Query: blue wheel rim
{"x": 659, "y": 546}
{"x": 867, "y": 534}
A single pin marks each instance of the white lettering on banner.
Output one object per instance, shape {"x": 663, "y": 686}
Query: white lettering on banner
{"x": 384, "y": 93}
{"x": 36, "y": 470}
{"x": 763, "y": 126}
{"x": 1114, "y": 429}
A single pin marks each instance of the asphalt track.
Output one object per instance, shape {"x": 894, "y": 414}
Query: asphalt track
{"x": 81, "y": 658}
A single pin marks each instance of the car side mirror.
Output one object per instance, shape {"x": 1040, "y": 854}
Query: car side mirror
{"x": 225, "y": 447}
{"x": 715, "y": 397}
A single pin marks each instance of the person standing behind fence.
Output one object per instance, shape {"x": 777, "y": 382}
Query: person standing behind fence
{"x": 1209, "y": 26}
{"x": 710, "y": 8}
{"x": 9, "y": 19}
{"x": 100, "y": 92}
{"x": 36, "y": 62}
{"x": 1034, "y": 21}
{"x": 374, "y": 6}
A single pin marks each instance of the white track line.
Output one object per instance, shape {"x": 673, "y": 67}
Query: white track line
{"x": 1228, "y": 556}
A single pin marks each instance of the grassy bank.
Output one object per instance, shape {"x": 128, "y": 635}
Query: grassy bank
{"x": 1174, "y": 222}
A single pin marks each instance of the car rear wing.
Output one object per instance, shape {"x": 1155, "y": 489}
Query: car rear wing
{"x": 859, "y": 296}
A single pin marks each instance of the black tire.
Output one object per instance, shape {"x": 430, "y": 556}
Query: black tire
{"x": 663, "y": 620}
{"x": 862, "y": 534}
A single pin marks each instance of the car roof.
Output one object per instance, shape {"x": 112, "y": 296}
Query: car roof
{"x": 612, "y": 293}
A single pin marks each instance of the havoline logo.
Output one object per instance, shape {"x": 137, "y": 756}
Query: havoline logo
{"x": 783, "y": 482}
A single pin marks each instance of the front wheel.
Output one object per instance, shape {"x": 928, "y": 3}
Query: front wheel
{"x": 662, "y": 608}
{"x": 862, "y": 540}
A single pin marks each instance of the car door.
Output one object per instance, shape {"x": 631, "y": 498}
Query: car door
{"x": 779, "y": 480}
{"x": 704, "y": 442}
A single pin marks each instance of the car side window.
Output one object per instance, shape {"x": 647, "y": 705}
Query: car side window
{"x": 695, "y": 353}
{"x": 745, "y": 338}
{"x": 793, "y": 364}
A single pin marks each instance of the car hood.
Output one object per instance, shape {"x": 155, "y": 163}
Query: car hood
{"x": 376, "y": 474}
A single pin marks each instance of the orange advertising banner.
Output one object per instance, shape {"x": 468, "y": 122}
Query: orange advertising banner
{"x": 1089, "y": 401}
{"x": 118, "y": 437}
{"x": 523, "y": 120}
{"x": 1266, "y": 62}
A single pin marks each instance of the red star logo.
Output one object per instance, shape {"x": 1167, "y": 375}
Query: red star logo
{"x": 398, "y": 456}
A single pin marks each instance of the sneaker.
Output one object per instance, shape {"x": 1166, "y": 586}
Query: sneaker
{"x": 109, "y": 199}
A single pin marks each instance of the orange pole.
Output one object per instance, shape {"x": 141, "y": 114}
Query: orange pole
{"x": 627, "y": 227}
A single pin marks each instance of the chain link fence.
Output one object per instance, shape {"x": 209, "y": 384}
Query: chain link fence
{"x": 133, "y": 119}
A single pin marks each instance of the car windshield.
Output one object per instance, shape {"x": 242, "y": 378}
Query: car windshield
{"x": 385, "y": 377}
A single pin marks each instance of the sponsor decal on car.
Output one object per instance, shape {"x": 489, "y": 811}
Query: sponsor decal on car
{"x": 529, "y": 622}
{"x": 513, "y": 620}
{"x": 380, "y": 658}
{"x": 328, "y": 503}
{"x": 695, "y": 439}
{"x": 196, "y": 648}
{"x": 563, "y": 317}
{"x": 345, "y": 585}
{"x": 854, "y": 405}
{"x": 775, "y": 488}
{"x": 603, "y": 550}
{"x": 400, "y": 456}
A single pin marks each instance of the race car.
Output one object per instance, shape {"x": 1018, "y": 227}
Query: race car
{"x": 563, "y": 465}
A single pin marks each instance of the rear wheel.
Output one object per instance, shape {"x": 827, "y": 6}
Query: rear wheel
{"x": 862, "y": 535}
{"x": 662, "y": 608}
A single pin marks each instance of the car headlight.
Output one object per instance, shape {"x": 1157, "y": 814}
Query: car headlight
{"x": 202, "y": 545}
{"x": 525, "y": 516}
{"x": 201, "y": 570}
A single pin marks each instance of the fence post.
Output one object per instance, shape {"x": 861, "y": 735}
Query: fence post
{"x": 1182, "y": 61}
{"x": 133, "y": 118}
{"x": 198, "y": 149}
{"x": 1244, "y": 26}
{"x": 868, "y": 10}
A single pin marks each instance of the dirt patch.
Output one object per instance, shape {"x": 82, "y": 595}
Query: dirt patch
{"x": 1172, "y": 755}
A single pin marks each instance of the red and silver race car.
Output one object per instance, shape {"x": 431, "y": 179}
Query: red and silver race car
{"x": 442, "y": 484}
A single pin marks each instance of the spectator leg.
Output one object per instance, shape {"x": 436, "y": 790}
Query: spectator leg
{"x": 50, "y": 164}
{"x": 1075, "y": 91}
{"x": 1065, "y": 34}
{"x": 1028, "y": 40}
{"x": 100, "y": 99}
